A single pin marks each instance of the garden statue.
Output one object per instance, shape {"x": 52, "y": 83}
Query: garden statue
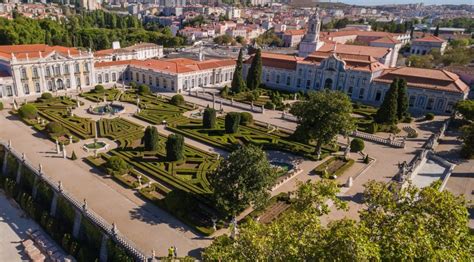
{"x": 114, "y": 229}
{"x": 139, "y": 177}
{"x": 64, "y": 151}
{"x": 84, "y": 205}
{"x": 70, "y": 139}
{"x": 60, "y": 186}
{"x": 349, "y": 182}
{"x": 214, "y": 225}
{"x": 40, "y": 169}
{"x": 234, "y": 231}
{"x": 58, "y": 150}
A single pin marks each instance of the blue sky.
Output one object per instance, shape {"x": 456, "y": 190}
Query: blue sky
{"x": 426, "y": 2}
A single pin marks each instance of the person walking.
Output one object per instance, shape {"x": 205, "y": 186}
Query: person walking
{"x": 170, "y": 252}
{"x": 175, "y": 252}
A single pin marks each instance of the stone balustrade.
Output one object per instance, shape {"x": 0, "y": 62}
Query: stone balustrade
{"x": 378, "y": 139}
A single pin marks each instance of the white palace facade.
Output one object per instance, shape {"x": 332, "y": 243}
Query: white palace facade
{"x": 29, "y": 70}
{"x": 364, "y": 73}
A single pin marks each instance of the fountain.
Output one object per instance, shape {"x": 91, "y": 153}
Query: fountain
{"x": 106, "y": 109}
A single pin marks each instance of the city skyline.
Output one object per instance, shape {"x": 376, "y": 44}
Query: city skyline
{"x": 388, "y": 2}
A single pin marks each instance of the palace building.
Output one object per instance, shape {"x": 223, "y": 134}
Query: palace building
{"x": 364, "y": 73}
{"x": 27, "y": 70}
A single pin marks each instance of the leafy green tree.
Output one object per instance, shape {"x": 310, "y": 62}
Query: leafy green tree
{"x": 357, "y": 145}
{"x": 388, "y": 111}
{"x": 209, "y": 118}
{"x": 243, "y": 179}
{"x": 151, "y": 139}
{"x": 238, "y": 83}
{"x": 28, "y": 111}
{"x": 467, "y": 137}
{"x": 175, "y": 147}
{"x": 143, "y": 89}
{"x": 436, "y": 32}
{"x": 466, "y": 108}
{"x": 46, "y": 96}
{"x": 416, "y": 224}
{"x": 254, "y": 75}
{"x": 322, "y": 116}
{"x": 402, "y": 99}
{"x": 177, "y": 100}
{"x": 232, "y": 121}
{"x": 116, "y": 165}
{"x": 246, "y": 118}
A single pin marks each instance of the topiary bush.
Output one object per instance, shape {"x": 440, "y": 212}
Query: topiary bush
{"x": 133, "y": 85}
{"x": 1, "y": 105}
{"x": 55, "y": 128}
{"x": 269, "y": 105}
{"x": 151, "y": 139}
{"x": 177, "y": 100}
{"x": 116, "y": 165}
{"x": 373, "y": 128}
{"x": 429, "y": 116}
{"x": 175, "y": 147}
{"x": 99, "y": 89}
{"x": 143, "y": 89}
{"x": 28, "y": 111}
{"x": 366, "y": 159}
{"x": 232, "y": 121}
{"x": 73, "y": 156}
{"x": 246, "y": 118}
{"x": 46, "y": 95}
{"x": 209, "y": 118}
{"x": 357, "y": 145}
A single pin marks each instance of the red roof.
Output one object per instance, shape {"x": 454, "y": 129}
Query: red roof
{"x": 377, "y": 52}
{"x": 434, "y": 79}
{"x": 33, "y": 51}
{"x": 277, "y": 60}
{"x": 430, "y": 38}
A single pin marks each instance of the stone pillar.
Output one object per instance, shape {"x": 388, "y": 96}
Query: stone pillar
{"x": 263, "y": 110}
{"x": 54, "y": 204}
{"x": 18, "y": 172}
{"x": 77, "y": 224}
{"x": 103, "y": 248}
{"x": 213, "y": 101}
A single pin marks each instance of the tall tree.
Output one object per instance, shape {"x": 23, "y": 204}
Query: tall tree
{"x": 175, "y": 147}
{"x": 466, "y": 108}
{"x": 388, "y": 111}
{"x": 436, "y": 32}
{"x": 238, "y": 83}
{"x": 322, "y": 116}
{"x": 402, "y": 99}
{"x": 467, "y": 137}
{"x": 254, "y": 75}
{"x": 209, "y": 118}
{"x": 244, "y": 178}
{"x": 151, "y": 139}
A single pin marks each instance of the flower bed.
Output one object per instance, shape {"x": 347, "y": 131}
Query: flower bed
{"x": 333, "y": 167}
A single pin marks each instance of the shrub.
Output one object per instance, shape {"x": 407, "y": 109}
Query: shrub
{"x": 373, "y": 128}
{"x": 177, "y": 100}
{"x": 99, "y": 89}
{"x": 46, "y": 95}
{"x": 246, "y": 118}
{"x": 73, "y": 156}
{"x": 429, "y": 116}
{"x": 175, "y": 147}
{"x": 117, "y": 164}
{"x": 55, "y": 128}
{"x": 269, "y": 105}
{"x": 28, "y": 111}
{"x": 357, "y": 145}
{"x": 209, "y": 118}
{"x": 232, "y": 121}
{"x": 407, "y": 119}
{"x": 1, "y": 105}
{"x": 143, "y": 89}
{"x": 133, "y": 85}
{"x": 150, "y": 139}
{"x": 366, "y": 159}
{"x": 224, "y": 92}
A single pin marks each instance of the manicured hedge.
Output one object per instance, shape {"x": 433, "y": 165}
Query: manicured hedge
{"x": 232, "y": 121}
{"x": 174, "y": 147}
{"x": 209, "y": 118}
{"x": 28, "y": 111}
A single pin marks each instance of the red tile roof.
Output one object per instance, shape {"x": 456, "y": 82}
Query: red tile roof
{"x": 277, "y": 60}
{"x": 33, "y": 51}
{"x": 174, "y": 66}
{"x": 295, "y": 32}
{"x": 430, "y": 38}
{"x": 387, "y": 40}
{"x": 433, "y": 79}
{"x": 354, "y": 62}
{"x": 376, "y": 52}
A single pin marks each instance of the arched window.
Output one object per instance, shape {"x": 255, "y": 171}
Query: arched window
{"x": 106, "y": 77}
{"x": 88, "y": 82}
{"x": 99, "y": 79}
{"x": 37, "y": 87}
{"x": 23, "y": 73}
{"x": 114, "y": 76}
{"x": 26, "y": 89}
{"x": 349, "y": 92}
{"x": 328, "y": 83}
{"x": 361, "y": 93}
{"x": 68, "y": 83}
{"x": 50, "y": 85}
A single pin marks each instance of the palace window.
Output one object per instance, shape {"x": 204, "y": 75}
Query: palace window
{"x": 157, "y": 81}
{"x": 150, "y": 80}
{"x": 48, "y": 71}
{"x": 137, "y": 77}
{"x": 421, "y": 101}
{"x": 349, "y": 92}
{"x": 411, "y": 101}
{"x": 106, "y": 77}
{"x": 288, "y": 80}
{"x": 439, "y": 105}
{"x": 298, "y": 82}
{"x": 378, "y": 95}
{"x": 86, "y": 67}
{"x": 78, "y": 81}
{"x": 68, "y": 83}
{"x": 114, "y": 76}
{"x": 26, "y": 89}
{"x": 278, "y": 79}
{"x": 308, "y": 84}
{"x": 23, "y": 73}
{"x": 57, "y": 70}
{"x": 172, "y": 85}
{"x": 143, "y": 78}
{"x": 429, "y": 106}
{"x": 35, "y": 72}
{"x": 76, "y": 68}
{"x": 37, "y": 87}
{"x": 449, "y": 107}
{"x": 361, "y": 93}
{"x": 66, "y": 69}
{"x": 9, "y": 91}
{"x": 88, "y": 82}
{"x": 50, "y": 85}
{"x": 99, "y": 79}
{"x": 268, "y": 77}
{"x": 165, "y": 84}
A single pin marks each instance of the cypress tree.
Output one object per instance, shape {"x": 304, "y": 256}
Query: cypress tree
{"x": 175, "y": 147}
{"x": 209, "y": 118}
{"x": 150, "y": 139}
{"x": 232, "y": 121}
{"x": 255, "y": 72}
{"x": 387, "y": 113}
{"x": 238, "y": 83}
{"x": 402, "y": 102}
{"x": 436, "y": 32}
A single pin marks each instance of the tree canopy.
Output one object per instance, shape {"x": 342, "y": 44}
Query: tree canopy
{"x": 395, "y": 225}
{"x": 254, "y": 75}
{"x": 388, "y": 110}
{"x": 242, "y": 179}
{"x": 238, "y": 83}
{"x": 322, "y": 116}
{"x": 466, "y": 108}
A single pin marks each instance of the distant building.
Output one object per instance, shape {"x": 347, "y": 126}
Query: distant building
{"x": 140, "y": 51}
{"x": 425, "y": 45}
{"x": 292, "y": 38}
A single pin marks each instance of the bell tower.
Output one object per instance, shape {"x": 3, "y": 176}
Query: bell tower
{"x": 311, "y": 41}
